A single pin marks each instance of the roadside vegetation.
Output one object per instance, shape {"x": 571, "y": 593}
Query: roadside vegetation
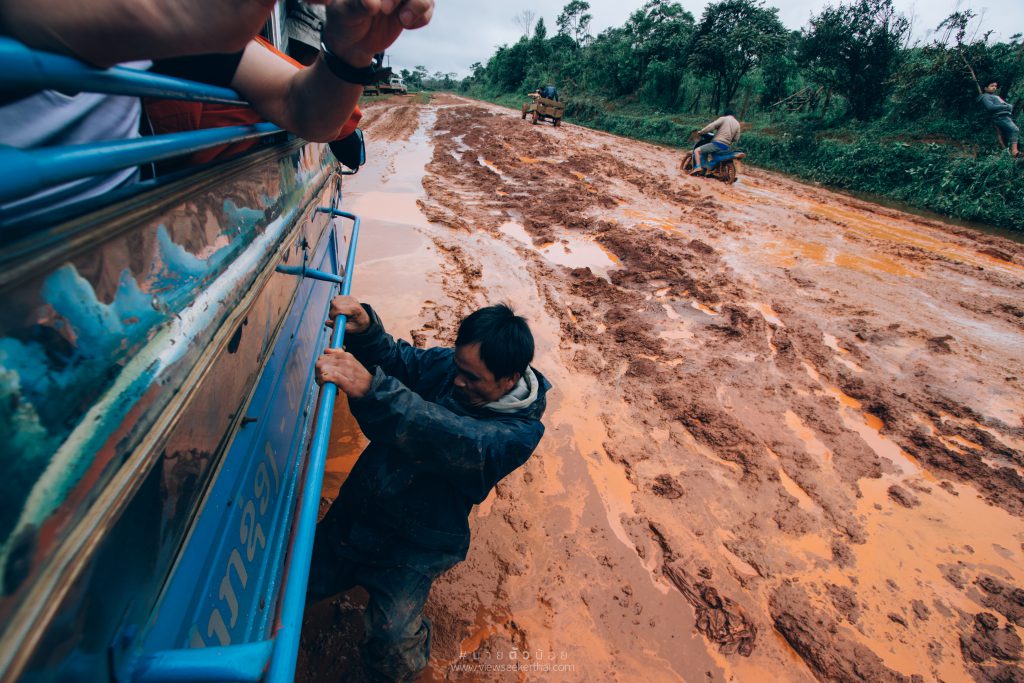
{"x": 846, "y": 101}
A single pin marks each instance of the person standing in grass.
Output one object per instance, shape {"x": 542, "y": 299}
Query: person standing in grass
{"x": 1000, "y": 111}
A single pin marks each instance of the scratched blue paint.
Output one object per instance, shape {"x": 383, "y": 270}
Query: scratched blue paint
{"x": 100, "y": 328}
{"x": 244, "y": 217}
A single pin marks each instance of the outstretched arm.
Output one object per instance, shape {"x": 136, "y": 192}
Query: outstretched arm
{"x": 106, "y": 32}
{"x": 711, "y": 126}
{"x": 313, "y": 103}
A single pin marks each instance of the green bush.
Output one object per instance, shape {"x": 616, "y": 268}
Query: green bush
{"x": 940, "y": 178}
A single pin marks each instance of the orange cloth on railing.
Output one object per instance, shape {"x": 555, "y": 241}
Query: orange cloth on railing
{"x": 176, "y": 116}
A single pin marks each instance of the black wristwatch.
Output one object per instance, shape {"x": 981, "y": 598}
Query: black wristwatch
{"x": 365, "y": 75}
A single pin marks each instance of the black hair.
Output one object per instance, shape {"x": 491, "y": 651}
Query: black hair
{"x": 729, "y": 112}
{"x": 506, "y": 343}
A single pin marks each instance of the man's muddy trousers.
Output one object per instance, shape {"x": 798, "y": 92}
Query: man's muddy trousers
{"x": 397, "y": 642}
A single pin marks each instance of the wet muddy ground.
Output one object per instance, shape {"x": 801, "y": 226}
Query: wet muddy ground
{"x": 786, "y": 437}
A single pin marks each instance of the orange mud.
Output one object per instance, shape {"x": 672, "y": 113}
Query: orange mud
{"x": 806, "y": 402}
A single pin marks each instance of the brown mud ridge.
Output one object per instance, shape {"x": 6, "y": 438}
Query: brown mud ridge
{"x": 786, "y": 437}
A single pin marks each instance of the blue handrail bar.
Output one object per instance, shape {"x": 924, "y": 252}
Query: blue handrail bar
{"x": 303, "y": 271}
{"x": 242, "y": 663}
{"x": 293, "y": 603}
{"x": 24, "y": 68}
{"x": 276, "y": 657}
{"x": 24, "y": 171}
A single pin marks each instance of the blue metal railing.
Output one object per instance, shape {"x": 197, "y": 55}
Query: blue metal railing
{"x": 25, "y": 68}
{"x": 286, "y": 646}
{"x": 23, "y": 172}
{"x": 272, "y": 660}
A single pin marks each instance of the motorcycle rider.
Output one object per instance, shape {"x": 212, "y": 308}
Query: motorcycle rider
{"x": 727, "y": 134}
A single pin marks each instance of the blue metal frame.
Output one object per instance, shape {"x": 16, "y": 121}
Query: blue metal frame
{"x": 25, "y": 68}
{"x": 273, "y": 656}
{"x": 286, "y": 646}
{"x": 23, "y": 172}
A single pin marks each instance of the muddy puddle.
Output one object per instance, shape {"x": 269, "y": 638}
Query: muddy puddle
{"x": 786, "y": 436}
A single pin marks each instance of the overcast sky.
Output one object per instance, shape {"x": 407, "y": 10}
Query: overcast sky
{"x": 467, "y": 31}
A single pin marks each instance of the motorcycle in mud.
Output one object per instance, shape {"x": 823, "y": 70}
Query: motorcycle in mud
{"x": 722, "y": 164}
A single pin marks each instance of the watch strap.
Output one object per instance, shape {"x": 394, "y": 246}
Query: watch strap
{"x": 366, "y": 75}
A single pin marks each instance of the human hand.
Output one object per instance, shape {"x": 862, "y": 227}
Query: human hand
{"x": 357, "y": 320}
{"x": 341, "y": 368}
{"x": 356, "y": 30}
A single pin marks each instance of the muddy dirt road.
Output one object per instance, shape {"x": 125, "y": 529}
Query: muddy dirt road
{"x": 786, "y": 437}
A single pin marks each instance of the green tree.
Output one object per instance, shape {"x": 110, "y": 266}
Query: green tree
{"x": 574, "y": 21}
{"x": 660, "y": 33}
{"x": 540, "y": 31}
{"x": 854, "y": 49}
{"x": 507, "y": 68}
{"x": 414, "y": 79}
{"x": 732, "y": 38}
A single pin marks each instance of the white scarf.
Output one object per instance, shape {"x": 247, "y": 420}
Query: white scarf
{"x": 521, "y": 395}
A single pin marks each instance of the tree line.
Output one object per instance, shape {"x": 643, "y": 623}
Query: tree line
{"x": 852, "y": 61}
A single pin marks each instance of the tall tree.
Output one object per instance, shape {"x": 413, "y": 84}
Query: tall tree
{"x": 574, "y": 21}
{"x": 540, "y": 31}
{"x": 732, "y": 38}
{"x": 659, "y": 34}
{"x": 524, "y": 20}
{"x": 854, "y": 49}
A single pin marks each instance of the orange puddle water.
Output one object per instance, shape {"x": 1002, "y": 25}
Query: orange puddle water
{"x": 656, "y": 221}
{"x": 681, "y": 333}
{"x": 704, "y": 309}
{"x": 907, "y": 546}
{"x": 806, "y": 434}
{"x": 695, "y": 446}
{"x": 572, "y": 251}
{"x": 489, "y": 166}
{"x": 739, "y": 565}
{"x": 959, "y": 444}
{"x": 1005, "y": 439}
{"x": 346, "y": 443}
{"x": 529, "y": 160}
{"x": 833, "y": 343}
{"x": 670, "y": 312}
{"x": 768, "y": 313}
{"x": 790, "y": 252}
{"x": 896, "y": 231}
{"x": 792, "y": 488}
{"x": 868, "y": 427}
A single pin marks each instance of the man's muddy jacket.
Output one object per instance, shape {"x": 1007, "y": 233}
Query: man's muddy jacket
{"x": 430, "y": 459}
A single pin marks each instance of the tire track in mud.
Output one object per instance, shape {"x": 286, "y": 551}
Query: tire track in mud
{"x": 728, "y": 388}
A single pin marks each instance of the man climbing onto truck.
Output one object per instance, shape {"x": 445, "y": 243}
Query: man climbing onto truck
{"x": 445, "y": 425}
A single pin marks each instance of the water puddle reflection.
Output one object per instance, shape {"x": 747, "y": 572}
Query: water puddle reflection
{"x": 769, "y": 314}
{"x": 806, "y": 434}
{"x": 570, "y": 250}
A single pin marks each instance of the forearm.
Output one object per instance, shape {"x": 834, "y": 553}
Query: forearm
{"x": 319, "y": 104}
{"x": 106, "y": 32}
